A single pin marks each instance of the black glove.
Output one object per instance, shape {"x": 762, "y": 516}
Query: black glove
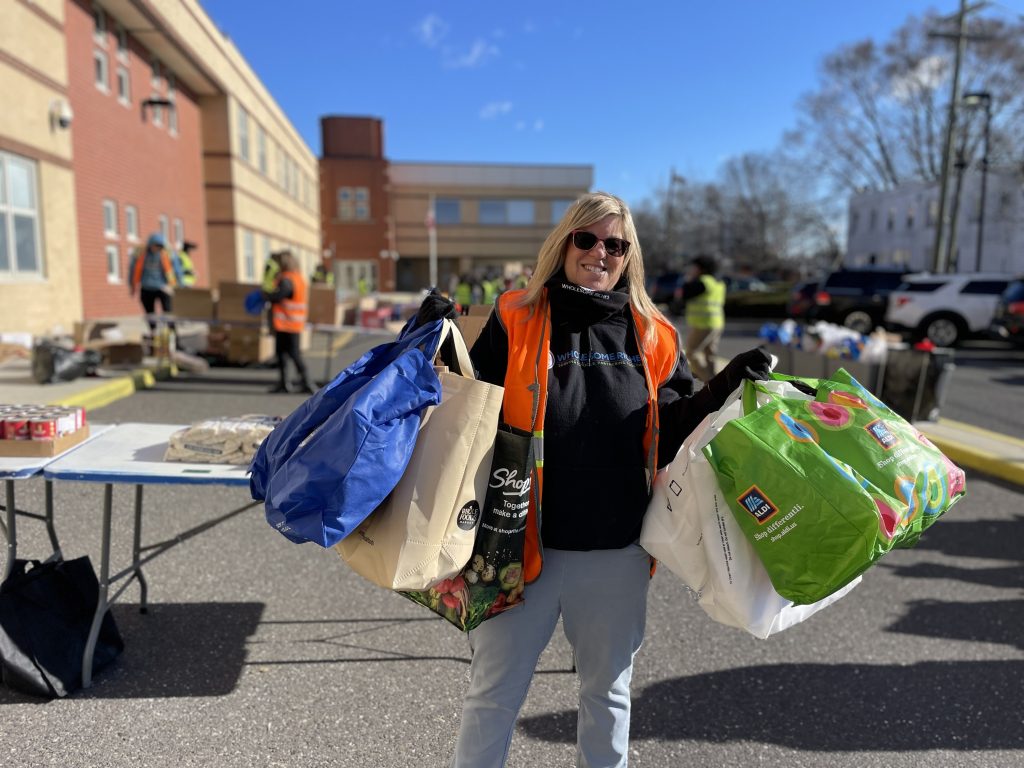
{"x": 754, "y": 364}
{"x": 435, "y": 307}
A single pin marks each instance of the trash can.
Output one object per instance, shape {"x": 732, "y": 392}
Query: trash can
{"x": 914, "y": 382}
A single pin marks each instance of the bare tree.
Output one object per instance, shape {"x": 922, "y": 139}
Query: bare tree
{"x": 877, "y": 117}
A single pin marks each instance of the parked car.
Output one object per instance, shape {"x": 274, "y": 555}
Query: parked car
{"x": 801, "y": 299}
{"x": 662, "y": 288}
{"x": 1008, "y": 319}
{"x": 753, "y": 297}
{"x": 856, "y": 298}
{"x": 945, "y": 308}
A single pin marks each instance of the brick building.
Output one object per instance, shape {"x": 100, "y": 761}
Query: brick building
{"x": 375, "y": 213}
{"x": 130, "y": 117}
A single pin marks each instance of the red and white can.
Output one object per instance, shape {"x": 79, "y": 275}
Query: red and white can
{"x": 16, "y": 427}
{"x": 45, "y": 426}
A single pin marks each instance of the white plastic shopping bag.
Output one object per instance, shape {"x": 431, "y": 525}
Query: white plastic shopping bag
{"x": 689, "y": 528}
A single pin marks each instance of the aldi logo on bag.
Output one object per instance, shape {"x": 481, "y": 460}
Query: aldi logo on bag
{"x": 757, "y": 504}
{"x": 879, "y": 430}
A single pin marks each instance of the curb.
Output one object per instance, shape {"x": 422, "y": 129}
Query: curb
{"x": 969, "y": 455}
{"x": 117, "y": 389}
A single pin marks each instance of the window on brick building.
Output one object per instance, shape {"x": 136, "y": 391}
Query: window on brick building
{"x": 154, "y": 71}
{"x": 162, "y": 226}
{"x": 124, "y": 88}
{"x": 122, "y": 43}
{"x": 113, "y": 252}
{"x": 179, "y": 233}
{"x": 99, "y": 25}
{"x": 131, "y": 222}
{"x": 109, "y": 218}
{"x": 261, "y": 149}
{"x": 101, "y": 75}
{"x": 20, "y": 252}
{"x": 172, "y": 112}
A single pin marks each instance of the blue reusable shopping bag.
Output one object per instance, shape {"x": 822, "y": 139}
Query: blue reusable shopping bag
{"x": 335, "y": 458}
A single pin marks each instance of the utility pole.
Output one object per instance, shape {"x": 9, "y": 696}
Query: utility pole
{"x": 943, "y": 246}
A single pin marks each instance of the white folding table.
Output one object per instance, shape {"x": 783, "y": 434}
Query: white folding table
{"x": 14, "y": 468}
{"x": 133, "y": 453}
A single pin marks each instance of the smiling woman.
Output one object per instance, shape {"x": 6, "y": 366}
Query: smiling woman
{"x": 593, "y": 371}
{"x": 596, "y": 255}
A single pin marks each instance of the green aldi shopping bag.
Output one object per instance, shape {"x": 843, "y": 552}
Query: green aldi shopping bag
{"x": 814, "y": 521}
{"x": 830, "y": 459}
{"x": 858, "y": 428}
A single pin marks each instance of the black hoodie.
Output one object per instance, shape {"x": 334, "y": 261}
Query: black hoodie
{"x": 595, "y": 479}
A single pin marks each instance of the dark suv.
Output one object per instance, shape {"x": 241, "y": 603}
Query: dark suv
{"x": 856, "y": 298}
{"x": 1008, "y": 322}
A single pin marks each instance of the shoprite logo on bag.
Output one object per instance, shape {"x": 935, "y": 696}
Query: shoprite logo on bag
{"x": 468, "y": 516}
{"x": 879, "y": 430}
{"x": 757, "y": 504}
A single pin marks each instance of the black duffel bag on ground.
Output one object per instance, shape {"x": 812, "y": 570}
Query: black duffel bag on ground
{"x": 46, "y": 611}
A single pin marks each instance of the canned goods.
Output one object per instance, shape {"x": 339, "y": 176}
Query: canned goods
{"x": 16, "y": 427}
{"x": 45, "y": 426}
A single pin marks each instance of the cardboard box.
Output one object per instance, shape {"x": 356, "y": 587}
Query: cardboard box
{"x": 195, "y": 303}
{"x": 231, "y": 303}
{"x": 480, "y": 310}
{"x": 245, "y": 345}
{"x": 470, "y": 326}
{"x": 324, "y": 308}
{"x": 121, "y": 353}
{"x": 41, "y": 448}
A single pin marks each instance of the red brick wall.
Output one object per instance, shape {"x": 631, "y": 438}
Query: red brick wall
{"x": 353, "y": 157}
{"x": 119, "y": 154}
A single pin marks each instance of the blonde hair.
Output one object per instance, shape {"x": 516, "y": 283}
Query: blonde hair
{"x": 587, "y": 210}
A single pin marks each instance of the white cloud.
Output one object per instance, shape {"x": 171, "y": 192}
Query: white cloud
{"x": 431, "y": 30}
{"x": 495, "y": 109}
{"x": 929, "y": 74}
{"x": 478, "y": 53}
{"x": 538, "y": 125}
{"x": 520, "y": 125}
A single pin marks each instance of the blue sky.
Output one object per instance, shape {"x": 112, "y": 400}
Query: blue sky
{"x": 633, "y": 89}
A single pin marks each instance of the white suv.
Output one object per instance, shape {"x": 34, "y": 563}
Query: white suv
{"x": 945, "y": 308}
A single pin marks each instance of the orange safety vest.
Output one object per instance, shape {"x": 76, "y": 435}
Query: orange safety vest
{"x": 165, "y": 262}
{"x": 290, "y": 314}
{"x": 526, "y": 393}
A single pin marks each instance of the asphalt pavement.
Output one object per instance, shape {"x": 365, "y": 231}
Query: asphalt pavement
{"x": 259, "y": 652}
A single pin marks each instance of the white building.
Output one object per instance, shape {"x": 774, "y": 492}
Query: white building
{"x": 897, "y": 227}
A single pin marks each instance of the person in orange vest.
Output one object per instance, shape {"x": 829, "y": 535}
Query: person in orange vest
{"x": 153, "y": 273}
{"x": 289, "y": 311}
{"x": 595, "y": 372}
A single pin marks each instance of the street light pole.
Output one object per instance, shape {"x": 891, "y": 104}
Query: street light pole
{"x": 985, "y": 99}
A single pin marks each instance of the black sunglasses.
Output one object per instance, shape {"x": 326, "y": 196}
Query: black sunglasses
{"x": 613, "y": 246}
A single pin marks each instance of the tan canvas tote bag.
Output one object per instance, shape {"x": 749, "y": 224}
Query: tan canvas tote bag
{"x": 424, "y": 530}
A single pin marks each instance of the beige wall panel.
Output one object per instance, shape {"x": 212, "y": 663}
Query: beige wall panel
{"x": 38, "y": 306}
{"x": 31, "y": 40}
{"x": 25, "y": 114}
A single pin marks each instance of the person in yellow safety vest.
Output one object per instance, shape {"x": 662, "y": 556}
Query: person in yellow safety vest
{"x": 154, "y": 274}
{"x": 464, "y": 294}
{"x": 490, "y": 289}
{"x": 322, "y": 274}
{"x": 188, "y": 269}
{"x": 704, "y": 295}
{"x": 289, "y": 310}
